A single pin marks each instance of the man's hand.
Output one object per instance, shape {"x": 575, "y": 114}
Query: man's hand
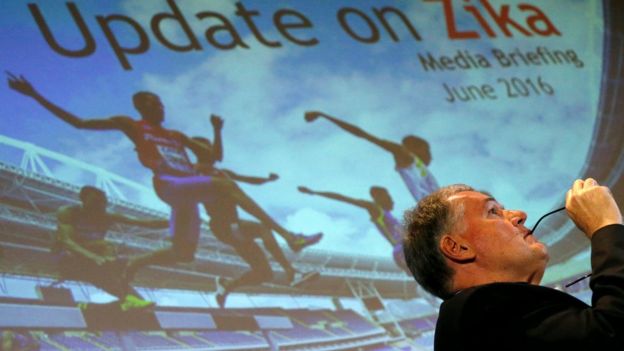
{"x": 217, "y": 122}
{"x": 21, "y": 85}
{"x": 591, "y": 206}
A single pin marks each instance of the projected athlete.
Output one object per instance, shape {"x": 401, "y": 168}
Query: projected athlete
{"x": 175, "y": 180}
{"x": 84, "y": 253}
{"x": 380, "y": 214}
{"x": 240, "y": 234}
{"x": 411, "y": 157}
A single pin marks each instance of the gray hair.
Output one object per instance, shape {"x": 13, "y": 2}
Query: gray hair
{"x": 425, "y": 224}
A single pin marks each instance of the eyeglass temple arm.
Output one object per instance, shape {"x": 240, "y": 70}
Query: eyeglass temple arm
{"x": 544, "y": 216}
{"x": 535, "y": 226}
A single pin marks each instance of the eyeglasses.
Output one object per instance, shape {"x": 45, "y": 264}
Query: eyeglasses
{"x": 544, "y": 216}
{"x": 533, "y": 230}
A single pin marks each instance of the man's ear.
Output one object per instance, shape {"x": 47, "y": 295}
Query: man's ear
{"x": 456, "y": 248}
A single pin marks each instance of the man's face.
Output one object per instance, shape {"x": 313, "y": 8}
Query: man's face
{"x": 95, "y": 203}
{"x": 499, "y": 238}
{"x": 152, "y": 109}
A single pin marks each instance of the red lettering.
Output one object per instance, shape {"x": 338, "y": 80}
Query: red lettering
{"x": 503, "y": 20}
{"x": 539, "y": 16}
{"x": 449, "y": 17}
{"x": 477, "y": 15}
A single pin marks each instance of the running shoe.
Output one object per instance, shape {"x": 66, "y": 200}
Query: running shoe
{"x": 132, "y": 302}
{"x": 301, "y": 241}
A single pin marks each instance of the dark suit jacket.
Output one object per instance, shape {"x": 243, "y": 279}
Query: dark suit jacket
{"x": 519, "y": 316}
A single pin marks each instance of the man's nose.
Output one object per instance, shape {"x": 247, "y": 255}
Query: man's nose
{"x": 516, "y": 217}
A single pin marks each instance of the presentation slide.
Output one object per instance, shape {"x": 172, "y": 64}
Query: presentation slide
{"x": 188, "y": 174}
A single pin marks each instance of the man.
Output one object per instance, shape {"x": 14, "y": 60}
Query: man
{"x": 175, "y": 180}
{"x": 463, "y": 246}
{"x": 85, "y": 255}
{"x": 380, "y": 212}
{"x": 411, "y": 156}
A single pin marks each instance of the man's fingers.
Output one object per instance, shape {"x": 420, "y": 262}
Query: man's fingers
{"x": 578, "y": 185}
{"x": 568, "y": 198}
{"x": 590, "y": 182}
{"x": 591, "y": 206}
{"x": 581, "y": 184}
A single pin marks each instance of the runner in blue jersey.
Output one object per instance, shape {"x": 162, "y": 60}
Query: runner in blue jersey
{"x": 380, "y": 212}
{"x": 411, "y": 157}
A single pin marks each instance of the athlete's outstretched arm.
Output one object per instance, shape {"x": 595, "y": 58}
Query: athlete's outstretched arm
{"x": 147, "y": 223}
{"x": 249, "y": 179}
{"x": 387, "y": 145}
{"x": 217, "y": 126}
{"x": 23, "y": 86}
{"x": 368, "y": 205}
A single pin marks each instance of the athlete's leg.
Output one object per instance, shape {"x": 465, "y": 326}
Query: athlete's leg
{"x": 295, "y": 241}
{"x": 105, "y": 277}
{"x": 251, "y": 253}
{"x": 229, "y": 229}
{"x": 182, "y": 194}
{"x": 184, "y": 226}
{"x": 293, "y": 276}
{"x": 164, "y": 257}
{"x": 222, "y": 212}
{"x": 260, "y": 271}
{"x": 254, "y": 229}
